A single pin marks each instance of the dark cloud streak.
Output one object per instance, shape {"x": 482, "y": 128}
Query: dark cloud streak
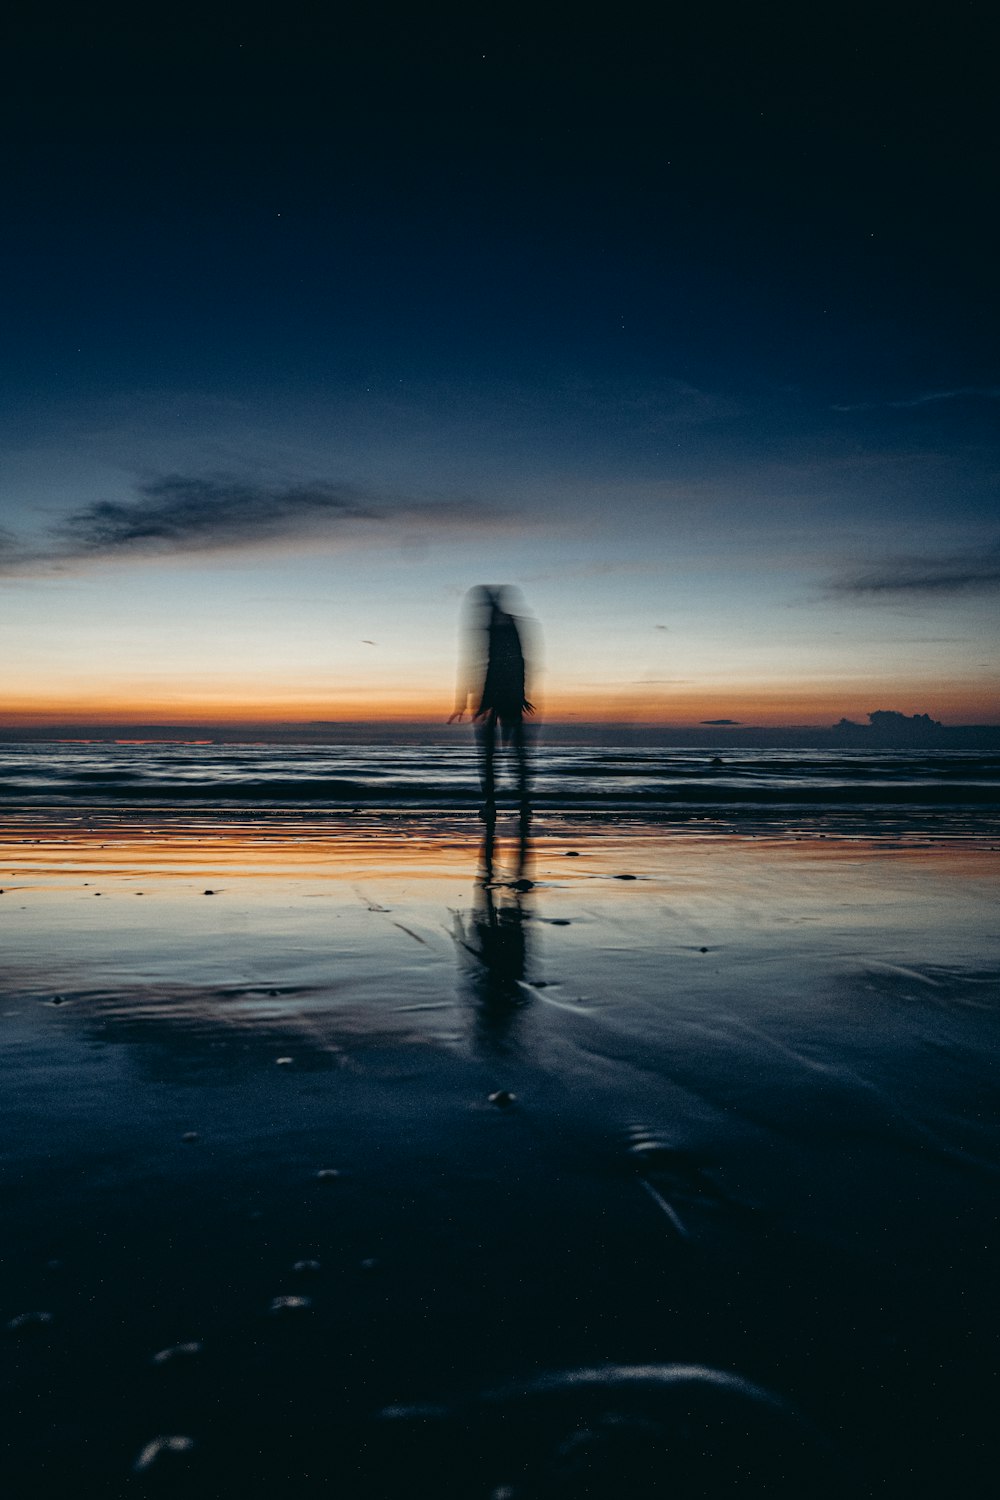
{"x": 961, "y": 393}
{"x": 179, "y": 515}
{"x": 975, "y": 574}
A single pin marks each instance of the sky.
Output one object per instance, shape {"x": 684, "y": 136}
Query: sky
{"x": 686, "y": 325}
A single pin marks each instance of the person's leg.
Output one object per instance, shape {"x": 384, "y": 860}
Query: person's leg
{"x": 487, "y": 766}
{"x": 520, "y": 742}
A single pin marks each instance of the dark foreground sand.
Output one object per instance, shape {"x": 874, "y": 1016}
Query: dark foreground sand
{"x": 266, "y": 1233}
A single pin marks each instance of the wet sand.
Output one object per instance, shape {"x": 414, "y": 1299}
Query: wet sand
{"x": 739, "y": 1166}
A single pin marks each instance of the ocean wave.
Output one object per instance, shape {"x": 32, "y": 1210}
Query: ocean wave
{"x": 427, "y": 776}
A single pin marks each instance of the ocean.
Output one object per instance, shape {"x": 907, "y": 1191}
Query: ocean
{"x": 890, "y": 790}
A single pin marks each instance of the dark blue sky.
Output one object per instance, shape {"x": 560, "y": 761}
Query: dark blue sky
{"x": 755, "y": 191}
{"x": 554, "y": 268}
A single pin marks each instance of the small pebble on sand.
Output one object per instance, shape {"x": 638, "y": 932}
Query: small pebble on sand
{"x": 161, "y": 1449}
{"x": 189, "y": 1135}
{"x": 626, "y": 877}
{"x": 208, "y": 893}
{"x": 502, "y": 1098}
{"x": 283, "y": 1062}
{"x": 327, "y": 1174}
{"x": 282, "y": 1306}
{"x": 178, "y": 1352}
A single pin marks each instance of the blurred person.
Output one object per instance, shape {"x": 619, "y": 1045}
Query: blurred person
{"x": 492, "y": 685}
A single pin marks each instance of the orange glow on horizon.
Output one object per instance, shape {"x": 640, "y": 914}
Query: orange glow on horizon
{"x": 764, "y": 706}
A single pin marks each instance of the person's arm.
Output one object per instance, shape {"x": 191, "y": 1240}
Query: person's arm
{"x": 465, "y": 687}
{"x": 473, "y": 656}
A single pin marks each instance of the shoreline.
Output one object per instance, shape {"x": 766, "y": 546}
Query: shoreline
{"x": 778, "y": 823}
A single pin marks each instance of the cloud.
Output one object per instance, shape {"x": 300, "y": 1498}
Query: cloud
{"x": 183, "y": 515}
{"x": 653, "y": 407}
{"x": 596, "y": 570}
{"x": 977, "y": 573}
{"x": 10, "y": 547}
{"x": 960, "y": 393}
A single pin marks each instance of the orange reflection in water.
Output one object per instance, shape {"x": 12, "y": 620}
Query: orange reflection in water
{"x": 45, "y": 847}
{"x": 182, "y": 848}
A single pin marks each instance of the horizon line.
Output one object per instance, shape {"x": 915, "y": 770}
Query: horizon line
{"x": 50, "y": 724}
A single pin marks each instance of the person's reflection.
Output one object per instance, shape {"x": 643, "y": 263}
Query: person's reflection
{"x": 493, "y": 941}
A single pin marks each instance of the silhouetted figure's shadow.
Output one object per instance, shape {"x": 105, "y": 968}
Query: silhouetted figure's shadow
{"x": 493, "y": 681}
{"x": 493, "y": 941}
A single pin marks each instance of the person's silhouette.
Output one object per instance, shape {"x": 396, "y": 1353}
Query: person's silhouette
{"x": 493, "y": 679}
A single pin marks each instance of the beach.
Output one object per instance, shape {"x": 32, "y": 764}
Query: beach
{"x": 667, "y": 1153}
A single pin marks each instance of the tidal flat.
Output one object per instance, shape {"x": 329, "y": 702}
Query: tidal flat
{"x": 661, "y": 1157}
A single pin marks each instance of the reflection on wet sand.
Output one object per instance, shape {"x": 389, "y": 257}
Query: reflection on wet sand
{"x": 215, "y": 1101}
{"x": 492, "y": 938}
